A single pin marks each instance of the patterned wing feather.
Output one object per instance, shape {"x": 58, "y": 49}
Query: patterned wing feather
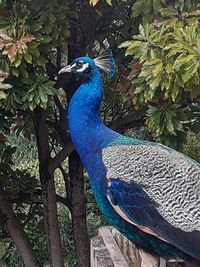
{"x": 133, "y": 204}
{"x": 157, "y": 188}
{"x": 168, "y": 177}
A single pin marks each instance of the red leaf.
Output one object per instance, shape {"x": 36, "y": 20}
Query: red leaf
{"x": 2, "y": 138}
{"x": 20, "y": 44}
{"x": 12, "y": 53}
{"x": 125, "y": 72}
{"x": 4, "y": 43}
{"x": 5, "y": 36}
{"x": 136, "y": 68}
{"x": 28, "y": 38}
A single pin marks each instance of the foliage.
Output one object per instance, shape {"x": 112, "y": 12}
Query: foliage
{"x": 3, "y": 249}
{"x": 25, "y": 41}
{"x": 36, "y": 233}
{"x": 192, "y": 146}
{"x": 147, "y": 9}
{"x": 11, "y": 256}
{"x": 167, "y": 122}
{"x": 22, "y": 191}
{"x": 15, "y": 47}
{"x": 169, "y": 61}
{"x": 35, "y": 229}
{"x": 67, "y": 235}
{"x": 166, "y": 56}
{"x": 16, "y": 182}
{"x": 171, "y": 10}
{"x": 18, "y": 167}
{"x": 3, "y": 86}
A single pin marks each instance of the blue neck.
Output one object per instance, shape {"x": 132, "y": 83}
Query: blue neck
{"x": 87, "y": 131}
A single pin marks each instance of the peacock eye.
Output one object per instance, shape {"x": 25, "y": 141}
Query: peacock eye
{"x": 79, "y": 64}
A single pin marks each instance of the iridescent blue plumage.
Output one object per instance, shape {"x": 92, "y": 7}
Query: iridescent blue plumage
{"x": 135, "y": 182}
{"x": 111, "y": 73}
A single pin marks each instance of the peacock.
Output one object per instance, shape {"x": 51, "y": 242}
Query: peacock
{"x": 148, "y": 191}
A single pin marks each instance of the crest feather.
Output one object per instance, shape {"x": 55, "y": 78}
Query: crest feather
{"x": 106, "y": 62}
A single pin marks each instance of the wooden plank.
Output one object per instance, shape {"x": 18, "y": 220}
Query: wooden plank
{"x": 112, "y": 247}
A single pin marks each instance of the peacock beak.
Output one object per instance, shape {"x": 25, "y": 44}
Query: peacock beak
{"x": 66, "y": 69}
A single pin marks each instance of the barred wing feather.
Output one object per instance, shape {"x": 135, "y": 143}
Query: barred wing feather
{"x": 158, "y": 189}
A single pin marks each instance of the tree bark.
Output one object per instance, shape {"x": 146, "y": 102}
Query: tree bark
{"x": 78, "y": 210}
{"x": 16, "y": 231}
{"x": 48, "y": 191}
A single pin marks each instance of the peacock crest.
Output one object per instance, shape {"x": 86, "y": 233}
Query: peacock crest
{"x": 106, "y": 62}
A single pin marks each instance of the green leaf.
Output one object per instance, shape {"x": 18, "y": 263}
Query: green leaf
{"x": 42, "y": 94}
{"x": 18, "y": 60}
{"x": 46, "y": 39}
{"x": 35, "y": 26}
{"x": 125, "y": 44}
{"x": 158, "y": 70}
{"x": 142, "y": 31}
{"x": 28, "y": 58}
{"x": 171, "y": 140}
{"x": 175, "y": 91}
{"x": 36, "y": 53}
{"x": 137, "y": 8}
{"x": 32, "y": 105}
{"x": 2, "y": 95}
{"x": 32, "y": 45}
{"x": 4, "y": 86}
{"x": 169, "y": 123}
{"x": 155, "y": 81}
{"x": 41, "y": 61}
{"x": 15, "y": 72}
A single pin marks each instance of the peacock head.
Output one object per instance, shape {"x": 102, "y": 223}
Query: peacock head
{"x": 84, "y": 67}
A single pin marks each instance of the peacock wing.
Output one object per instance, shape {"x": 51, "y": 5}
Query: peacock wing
{"x": 158, "y": 190}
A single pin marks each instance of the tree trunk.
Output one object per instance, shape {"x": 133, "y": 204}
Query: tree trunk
{"x": 77, "y": 196}
{"x": 48, "y": 191}
{"x": 78, "y": 206}
{"x": 16, "y": 231}
{"x": 78, "y": 200}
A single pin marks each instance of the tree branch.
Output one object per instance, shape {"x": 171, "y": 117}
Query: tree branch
{"x": 64, "y": 200}
{"x": 16, "y": 231}
{"x": 58, "y": 57}
{"x": 55, "y": 162}
{"x": 129, "y": 121}
{"x": 48, "y": 190}
{"x": 29, "y": 214}
{"x": 67, "y": 182}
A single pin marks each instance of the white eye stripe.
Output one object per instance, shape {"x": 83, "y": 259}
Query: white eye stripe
{"x": 74, "y": 65}
{"x": 84, "y": 67}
